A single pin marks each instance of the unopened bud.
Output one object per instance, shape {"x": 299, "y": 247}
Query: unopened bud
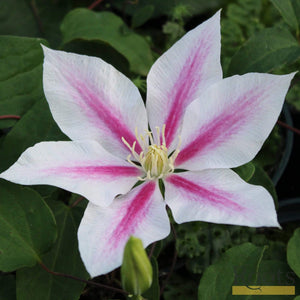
{"x": 136, "y": 270}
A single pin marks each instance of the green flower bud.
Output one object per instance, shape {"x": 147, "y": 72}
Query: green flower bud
{"x": 136, "y": 270}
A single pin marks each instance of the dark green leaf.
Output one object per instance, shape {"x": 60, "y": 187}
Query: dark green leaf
{"x": 49, "y": 15}
{"x": 36, "y": 126}
{"x": 293, "y": 252}
{"x": 106, "y": 27}
{"x": 7, "y": 287}
{"x": 238, "y": 266}
{"x": 276, "y": 273}
{"x": 166, "y": 7}
{"x": 260, "y": 177}
{"x": 269, "y": 154}
{"x": 286, "y": 9}
{"x": 21, "y": 75}
{"x": 142, "y": 15}
{"x": 17, "y": 18}
{"x": 27, "y": 227}
{"x": 35, "y": 283}
{"x": 269, "y": 49}
{"x": 33, "y": 18}
{"x": 245, "y": 171}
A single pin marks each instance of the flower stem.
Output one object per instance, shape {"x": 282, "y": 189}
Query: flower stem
{"x": 94, "y": 4}
{"x": 152, "y": 250}
{"x": 83, "y": 280}
{"x": 79, "y": 199}
{"x": 288, "y": 127}
{"x": 36, "y": 15}
{"x": 10, "y": 117}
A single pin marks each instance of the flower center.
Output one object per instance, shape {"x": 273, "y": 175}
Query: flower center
{"x": 156, "y": 160}
{"x": 153, "y": 159}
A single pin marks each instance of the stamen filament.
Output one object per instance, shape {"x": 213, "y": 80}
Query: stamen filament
{"x": 163, "y": 135}
{"x": 158, "y": 135}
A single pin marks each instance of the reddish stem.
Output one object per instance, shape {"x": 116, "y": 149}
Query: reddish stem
{"x": 94, "y": 4}
{"x": 10, "y": 117}
{"x": 152, "y": 250}
{"x": 288, "y": 127}
{"x": 76, "y": 201}
{"x": 83, "y": 280}
{"x": 37, "y": 16}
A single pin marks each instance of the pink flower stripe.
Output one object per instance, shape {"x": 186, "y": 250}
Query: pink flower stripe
{"x": 222, "y": 127}
{"x": 96, "y": 171}
{"x": 186, "y": 86}
{"x": 132, "y": 214}
{"x": 103, "y": 115}
{"x": 208, "y": 195}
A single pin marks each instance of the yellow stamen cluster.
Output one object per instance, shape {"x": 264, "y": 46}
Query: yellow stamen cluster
{"x": 153, "y": 158}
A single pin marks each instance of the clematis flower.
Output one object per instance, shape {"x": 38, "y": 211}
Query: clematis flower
{"x": 199, "y": 123}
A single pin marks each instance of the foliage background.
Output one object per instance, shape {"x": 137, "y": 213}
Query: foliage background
{"x": 38, "y": 224}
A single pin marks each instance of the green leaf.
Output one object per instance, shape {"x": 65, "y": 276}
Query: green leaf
{"x": 27, "y": 227}
{"x": 35, "y": 18}
{"x": 167, "y": 6}
{"x": 7, "y": 287}
{"x": 49, "y": 15}
{"x": 35, "y": 283}
{"x": 269, "y": 49}
{"x": 260, "y": 177}
{"x": 276, "y": 273}
{"x": 245, "y": 171}
{"x": 271, "y": 150}
{"x": 142, "y": 15}
{"x": 286, "y": 9}
{"x": 21, "y": 75}
{"x": 293, "y": 247}
{"x": 17, "y": 19}
{"x": 35, "y": 126}
{"x": 238, "y": 266}
{"x": 106, "y": 27}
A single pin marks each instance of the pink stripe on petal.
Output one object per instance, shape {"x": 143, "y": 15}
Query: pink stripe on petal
{"x": 135, "y": 213}
{"x": 106, "y": 115}
{"x": 218, "y": 196}
{"x": 223, "y": 126}
{"x": 208, "y": 195}
{"x": 186, "y": 87}
{"x": 97, "y": 171}
{"x": 103, "y": 232}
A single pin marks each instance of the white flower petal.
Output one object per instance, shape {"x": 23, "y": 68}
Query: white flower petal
{"x": 103, "y": 232}
{"x": 218, "y": 196}
{"x": 181, "y": 74}
{"x": 90, "y": 99}
{"x": 82, "y": 167}
{"x": 229, "y": 123}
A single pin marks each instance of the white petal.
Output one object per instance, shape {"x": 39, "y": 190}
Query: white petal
{"x": 82, "y": 167}
{"x": 103, "y": 232}
{"x": 90, "y": 99}
{"x": 218, "y": 196}
{"x": 229, "y": 123}
{"x": 181, "y": 74}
